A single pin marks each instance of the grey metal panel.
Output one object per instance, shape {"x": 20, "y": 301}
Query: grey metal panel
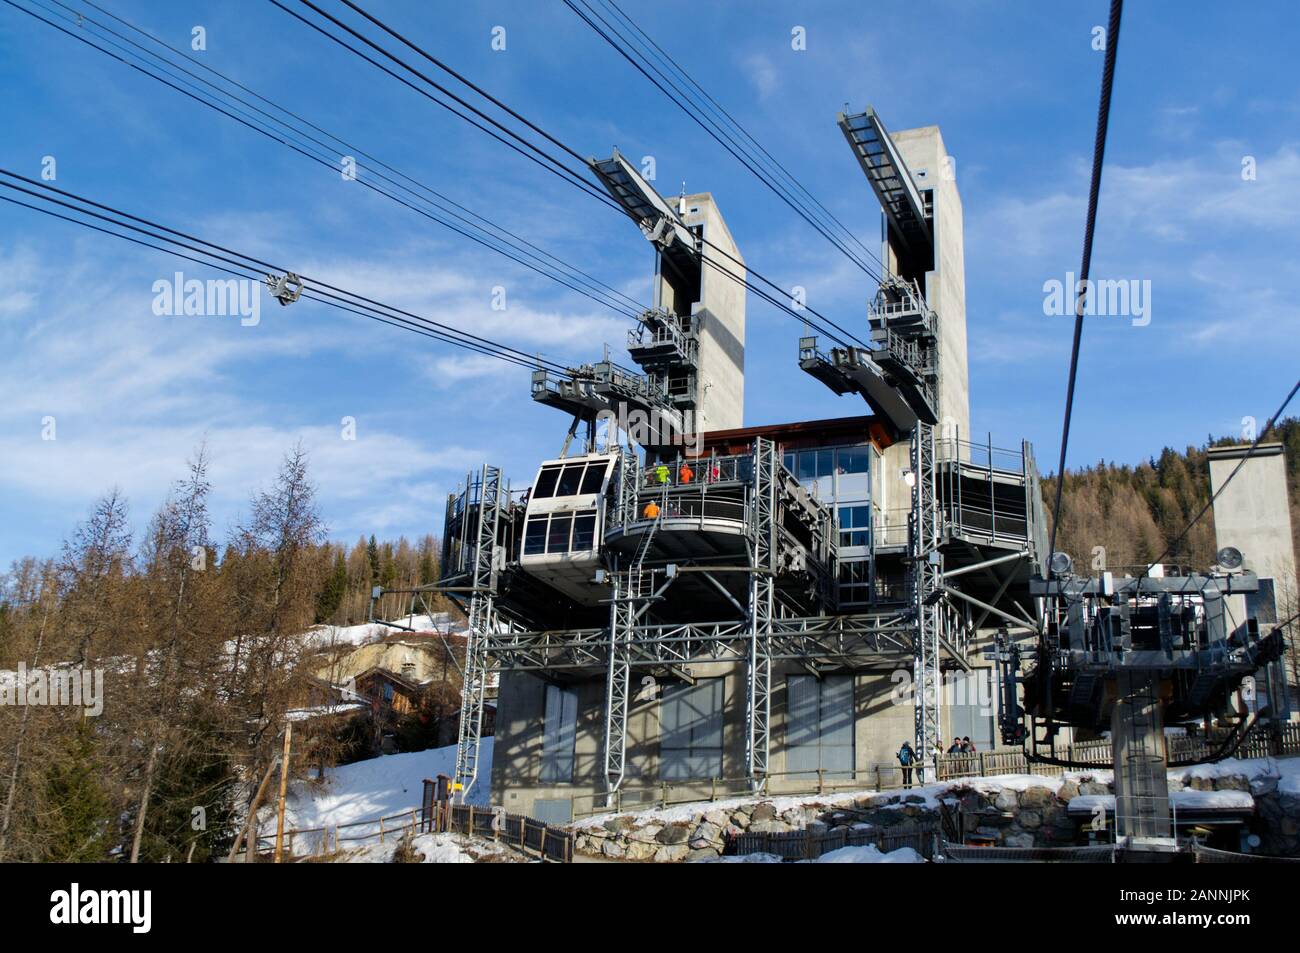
{"x": 971, "y": 713}
{"x": 559, "y": 731}
{"x": 556, "y": 810}
{"x": 801, "y": 710}
{"x": 690, "y": 731}
{"x": 819, "y": 725}
{"x": 837, "y": 725}
{"x": 802, "y": 752}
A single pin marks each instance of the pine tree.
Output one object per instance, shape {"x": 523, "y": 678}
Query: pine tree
{"x": 76, "y": 819}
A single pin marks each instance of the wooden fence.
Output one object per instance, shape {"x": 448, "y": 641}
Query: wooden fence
{"x": 812, "y": 843}
{"x": 1261, "y": 741}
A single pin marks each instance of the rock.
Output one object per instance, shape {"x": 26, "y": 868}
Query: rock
{"x": 1264, "y": 786}
{"x": 640, "y": 851}
{"x": 613, "y": 848}
{"x": 1233, "y": 782}
{"x": 1019, "y": 840}
{"x": 1006, "y": 801}
{"x": 707, "y": 834}
{"x": 768, "y": 827}
{"x": 674, "y": 834}
{"x": 1037, "y": 797}
{"x": 707, "y": 853}
{"x": 1030, "y": 820}
{"x": 763, "y": 812}
{"x": 740, "y": 819}
{"x": 645, "y": 835}
{"x": 1068, "y": 792}
{"x": 618, "y": 824}
{"x": 996, "y": 818}
{"x": 1058, "y": 818}
{"x": 914, "y": 799}
{"x": 1093, "y": 787}
{"x": 598, "y": 832}
{"x": 717, "y": 818}
{"x": 671, "y": 853}
{"x": 1201, "y": 784}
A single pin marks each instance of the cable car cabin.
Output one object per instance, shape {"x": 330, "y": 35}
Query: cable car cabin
{"x": 565, "y": 522}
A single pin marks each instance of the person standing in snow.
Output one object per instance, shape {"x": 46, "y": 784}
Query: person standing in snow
{"x": 906, "y": 757}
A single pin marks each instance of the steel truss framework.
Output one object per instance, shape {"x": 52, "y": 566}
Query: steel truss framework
{"x": 928, "y": 599}
{"x": 482, "y": 618}
{"x": 758, "y": 664}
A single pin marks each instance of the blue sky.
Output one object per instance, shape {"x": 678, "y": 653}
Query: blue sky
{"x": 1013, "y": 87}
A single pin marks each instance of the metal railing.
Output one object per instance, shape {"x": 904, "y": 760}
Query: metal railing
{"x": 328, "y": 839}
{"x": 544, "y": 841}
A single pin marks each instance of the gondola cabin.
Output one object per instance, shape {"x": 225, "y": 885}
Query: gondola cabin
{"x": 565, "y": 522}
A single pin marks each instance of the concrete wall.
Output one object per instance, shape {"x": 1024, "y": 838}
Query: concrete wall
{"x": 1253, "y": 512}
{"x": 883, "y": 721}
{"x": 945, "y": 287}
{"x": 428, "y": 657}
{"x": 721, "y": 316}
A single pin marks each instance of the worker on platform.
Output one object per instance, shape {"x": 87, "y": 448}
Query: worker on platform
{"x": 684, "y": 473}
{"x": 906, "y": 758}
{"x": 651, "y": 511}
{"x": 662, "y": 474}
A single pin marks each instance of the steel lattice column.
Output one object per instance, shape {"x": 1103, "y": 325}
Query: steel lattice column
{"x": 926, "y": 580}
{"x": 482, "y": 622}
{"x": 618, "y": 679}
{"x": 758, "y": 667}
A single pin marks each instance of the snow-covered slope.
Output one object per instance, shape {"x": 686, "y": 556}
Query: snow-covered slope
{"x": 370, "y": 789}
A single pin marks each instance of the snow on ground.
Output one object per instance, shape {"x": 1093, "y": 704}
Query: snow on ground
{"x": 433, "y": 849}
{"x": 866, "y": 854}
{"x": 1182, "y": 800}
{"x": 324, "y": 636}
{"x": 367, "y": 790}
{"x": 1259, "y": 771}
